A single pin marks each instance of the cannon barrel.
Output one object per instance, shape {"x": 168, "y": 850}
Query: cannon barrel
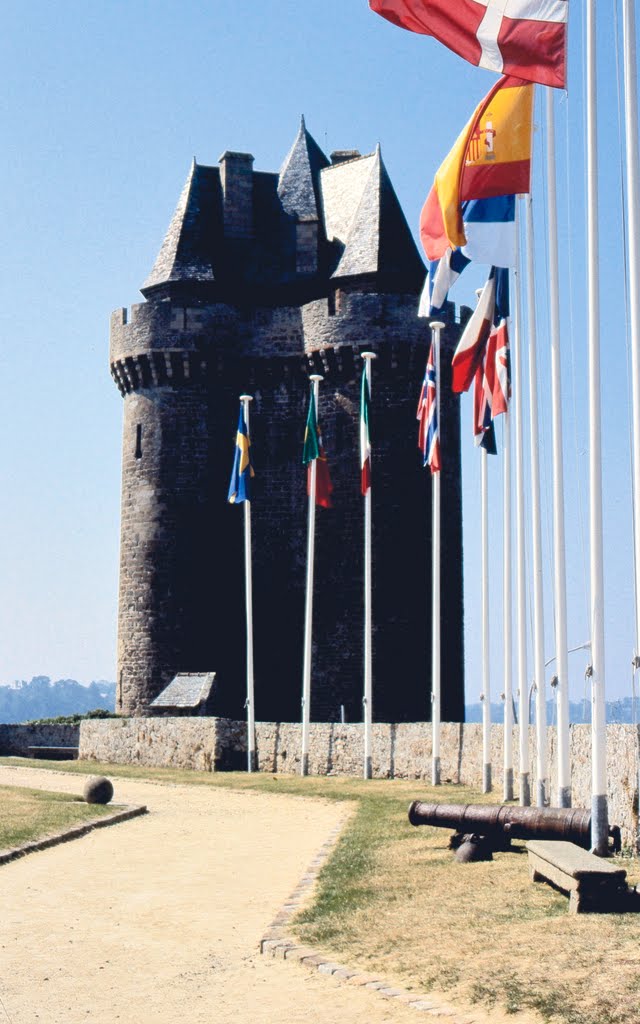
{"x": 573, "y": 825}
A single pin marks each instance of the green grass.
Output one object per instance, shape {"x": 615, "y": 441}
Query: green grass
{"x": 28, "y": 814}
{"x": 392, "y": 900}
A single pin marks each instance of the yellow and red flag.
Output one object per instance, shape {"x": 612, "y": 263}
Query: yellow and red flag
{"x": 491, "y": 157}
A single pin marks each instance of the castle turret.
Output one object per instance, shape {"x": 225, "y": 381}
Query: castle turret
{"x": 261, "y": 280}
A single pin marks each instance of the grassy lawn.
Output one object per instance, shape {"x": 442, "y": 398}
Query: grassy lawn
{"x": 392, "y": 900}
{"x": 28, "y": 814}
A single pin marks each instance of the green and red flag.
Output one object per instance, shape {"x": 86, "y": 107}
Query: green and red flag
{"x": 313, "y": 451}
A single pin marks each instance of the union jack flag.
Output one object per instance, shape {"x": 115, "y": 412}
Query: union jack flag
{"x": 427, "y": 416}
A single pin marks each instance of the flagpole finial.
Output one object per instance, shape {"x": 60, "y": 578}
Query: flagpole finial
{"x": 246, "y": 398}
{"x": 437, "y": 325}
{"x": 316, "y": 377}
{"x": 369, "y": 355}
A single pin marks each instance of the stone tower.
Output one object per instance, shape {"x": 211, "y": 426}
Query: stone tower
{"x": 262, "y": 279}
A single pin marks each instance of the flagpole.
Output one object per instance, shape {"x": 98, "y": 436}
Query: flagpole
{"x": 542, "y": 786}
{"x": 251, "y": 717}
{"x": 436, "y": 327}
{"x": 486, "y": 677}
{"x": 315, "y": 378}
{"x": 367, "y": 700}
{"x": 521, "y": 591}
{"x": 599, "y": 810}
{"x": 507, "y": 615}
{"x": 559, "y": 550}
{"x": 633, "y": 234}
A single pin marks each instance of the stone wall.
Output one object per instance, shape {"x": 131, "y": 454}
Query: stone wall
{"x": 401, "y": 751}
{"x": 199, "y": 744}
{"x": 16, "y": 739}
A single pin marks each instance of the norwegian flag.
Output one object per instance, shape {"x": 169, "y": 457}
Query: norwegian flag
{"x": 525, "y": 38}
{"x": 427, "y": 416}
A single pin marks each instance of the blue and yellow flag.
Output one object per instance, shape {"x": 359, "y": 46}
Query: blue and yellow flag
{"x": 239, "y": 488}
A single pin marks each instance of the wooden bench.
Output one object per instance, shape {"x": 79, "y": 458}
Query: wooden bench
{"x": 54, "y": 753}
{"x": 592, "y": 883}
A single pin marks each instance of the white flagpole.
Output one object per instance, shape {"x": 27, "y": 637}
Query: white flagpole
{"x": 436, "y": 327}
{"x": 308, "y": 616}
{"x": 521, "y": 591}
{"x": 367, "y": 700}
{"x": 599, "y": 810}
{"x": 486, "y": 676}
{"x": 560, "y": 569}
{"x": 251, "y": 715}
{"x": 507, "y": 615}
{"x": 536, "y": 529}
{"x": 633, "y": 234}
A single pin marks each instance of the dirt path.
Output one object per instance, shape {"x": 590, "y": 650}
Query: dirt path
{"x": 158, "y": 920}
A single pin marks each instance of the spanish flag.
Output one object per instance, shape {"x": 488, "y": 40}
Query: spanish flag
{"x": 239, "y": 488}
{"x": 491, "y": 157}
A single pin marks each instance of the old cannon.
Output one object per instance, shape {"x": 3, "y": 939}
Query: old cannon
{"x": 481, "y": 829}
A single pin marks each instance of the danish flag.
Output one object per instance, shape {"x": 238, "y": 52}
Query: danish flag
{"x": 525, "y": 38}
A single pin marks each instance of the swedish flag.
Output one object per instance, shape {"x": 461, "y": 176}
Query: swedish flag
{"x": 239, "y": 488}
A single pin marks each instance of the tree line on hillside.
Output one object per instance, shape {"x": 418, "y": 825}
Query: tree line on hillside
{"x": 41, "y": 697}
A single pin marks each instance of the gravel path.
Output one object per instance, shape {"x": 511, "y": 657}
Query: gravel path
{"x": 158, "y": 920}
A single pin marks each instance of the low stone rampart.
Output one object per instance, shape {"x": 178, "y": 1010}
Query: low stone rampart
{"x": 15, "y": 740}
{"x": 400, "y": 751}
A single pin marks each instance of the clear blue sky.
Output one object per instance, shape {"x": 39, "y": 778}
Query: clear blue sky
{"x": 103, "y": 107}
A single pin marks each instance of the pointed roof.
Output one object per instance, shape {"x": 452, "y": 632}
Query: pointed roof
{"x": 184, "y": 255}
{"x": 299, "y": 180}
{"x": 363, "y": 213}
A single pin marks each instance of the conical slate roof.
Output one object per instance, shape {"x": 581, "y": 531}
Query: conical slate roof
{"x": 185, "y": 254}
{"x": 362, "y": 229}
{"x": 299, "y": 180}
{"x": 363, "y": 213}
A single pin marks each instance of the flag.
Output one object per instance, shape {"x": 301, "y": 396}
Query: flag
{"x": 490, "y": 229}
{"x": 497, "y": 367}
{"x": 491, "y": 157}
{"x": 311, "y": 448}
{"x": 484, "y": 434}
{"x": 527, "y": 38}
{"x": 365, "y": 438}
{"x": 442, "y": 276}
{"x": 239, "y": 488}
{"x": 485, "y": 343}
{"x": 427, "y": 415}
{"x": 472, "y": 346}
{"x": 313, "y": 451}
{"x": 324, "y": 486}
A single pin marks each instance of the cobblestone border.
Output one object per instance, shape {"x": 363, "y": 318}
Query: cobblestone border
{"x": 71, "y": 833}
{"x": 277, "y": 944}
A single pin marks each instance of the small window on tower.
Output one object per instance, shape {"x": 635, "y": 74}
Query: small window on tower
{"x": 139, "y": 441}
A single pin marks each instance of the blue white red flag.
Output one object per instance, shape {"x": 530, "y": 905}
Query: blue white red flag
{"x": 490, "y": 230}
{"x": 427, "y": 416}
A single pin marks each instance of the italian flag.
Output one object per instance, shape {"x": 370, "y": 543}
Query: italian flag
{"x": 365, "y": 439}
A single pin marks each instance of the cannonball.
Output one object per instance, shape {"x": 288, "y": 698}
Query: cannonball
{"x": 98, "y": 790}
